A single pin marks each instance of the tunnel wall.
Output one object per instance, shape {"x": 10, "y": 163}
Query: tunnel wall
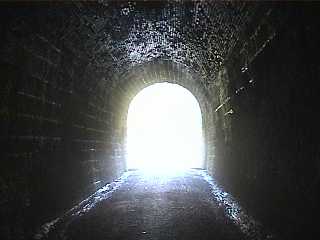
{"x": 269, "y": 143}
{"x": 58, "y": 143}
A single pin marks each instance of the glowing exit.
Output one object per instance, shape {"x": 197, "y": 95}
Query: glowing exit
{"x": 164, "y": 129}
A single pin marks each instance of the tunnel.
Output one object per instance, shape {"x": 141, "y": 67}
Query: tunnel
{"x": 69, "y": 72}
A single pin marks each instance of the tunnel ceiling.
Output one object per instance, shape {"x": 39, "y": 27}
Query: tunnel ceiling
{"x": 196, "y": 34}
{"x": 115, "y": 36}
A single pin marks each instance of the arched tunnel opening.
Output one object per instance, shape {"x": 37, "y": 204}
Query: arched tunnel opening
{"x": 164, "y": 130}
{"x": 71, "y": 69}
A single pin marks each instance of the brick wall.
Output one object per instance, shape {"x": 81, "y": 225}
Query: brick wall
{"x": 269, "y": 144}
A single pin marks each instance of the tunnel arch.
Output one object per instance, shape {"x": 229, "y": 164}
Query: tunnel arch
{"x": 130, "y": 83}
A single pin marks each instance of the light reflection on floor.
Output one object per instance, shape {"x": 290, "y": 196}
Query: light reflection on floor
{"x": 234, "y": 211}
{"x": 161, "y": 181}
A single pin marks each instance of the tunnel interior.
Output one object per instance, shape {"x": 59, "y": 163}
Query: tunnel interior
{"x": 69, "y": 71}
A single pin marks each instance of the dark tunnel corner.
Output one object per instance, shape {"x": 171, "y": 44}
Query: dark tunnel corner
{"x": 268, "y": 144}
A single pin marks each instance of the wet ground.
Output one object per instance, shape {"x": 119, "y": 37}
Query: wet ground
{"x": 188, "y": 205}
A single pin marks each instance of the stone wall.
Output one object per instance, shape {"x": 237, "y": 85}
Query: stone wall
{"x": 57, "y": 136}
{"x": 269, "y": 143}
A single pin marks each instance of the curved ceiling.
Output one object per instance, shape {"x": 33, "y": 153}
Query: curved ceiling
{"x": 113, "y": 37}
{"x": 197, "y": 34}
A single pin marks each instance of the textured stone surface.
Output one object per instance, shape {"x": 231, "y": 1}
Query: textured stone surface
{"x": 69, "y": 70}
{"x": 269, "y": 144}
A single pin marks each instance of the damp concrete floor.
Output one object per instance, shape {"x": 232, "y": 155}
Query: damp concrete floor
{"x": 140, "y": 206}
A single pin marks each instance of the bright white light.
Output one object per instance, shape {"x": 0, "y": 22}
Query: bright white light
{"x": 164, "y": 129}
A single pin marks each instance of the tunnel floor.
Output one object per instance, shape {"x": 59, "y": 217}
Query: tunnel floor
{"x": 189, "y": 205}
